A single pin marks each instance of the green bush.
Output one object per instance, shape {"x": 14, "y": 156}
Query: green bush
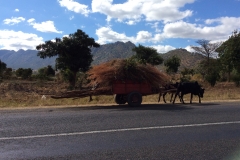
{"x": 212, "y": 78}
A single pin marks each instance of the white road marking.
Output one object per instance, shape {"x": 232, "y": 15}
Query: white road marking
{"x": 118, "y": 130}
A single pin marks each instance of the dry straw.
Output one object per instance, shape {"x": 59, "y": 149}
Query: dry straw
{"x": 105, "y": 74}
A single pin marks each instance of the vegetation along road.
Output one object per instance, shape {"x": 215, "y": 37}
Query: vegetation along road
{"x": 152, "y": 131}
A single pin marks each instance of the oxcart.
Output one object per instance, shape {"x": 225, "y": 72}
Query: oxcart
{"x": 125, "y": 91}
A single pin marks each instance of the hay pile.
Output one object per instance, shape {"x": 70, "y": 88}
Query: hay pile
{"x": 125, "y": 69}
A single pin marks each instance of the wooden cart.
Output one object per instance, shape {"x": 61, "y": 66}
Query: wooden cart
{"x": 131, "y": 92}
{"x": 125, "y": 91}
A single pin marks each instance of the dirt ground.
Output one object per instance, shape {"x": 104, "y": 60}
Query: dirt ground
{"x": 10, "y": 90}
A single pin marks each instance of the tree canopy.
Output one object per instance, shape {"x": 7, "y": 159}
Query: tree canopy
{"x": 172, "y": 64}
{"x": 207, "y": 49}
{"x": 147, "y": 55}
{"x": 229, "y": 52}
{"x": 3, "y": 66}
{"x": 73, "y": 53}
{"x": 24, "y": 73}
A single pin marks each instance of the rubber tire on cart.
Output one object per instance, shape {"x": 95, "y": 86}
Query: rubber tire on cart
{"x": 134, "y": 99}
{"x": 120, "y": 98}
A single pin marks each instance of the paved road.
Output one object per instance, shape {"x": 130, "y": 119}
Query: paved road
{"x": 156, "y": 131}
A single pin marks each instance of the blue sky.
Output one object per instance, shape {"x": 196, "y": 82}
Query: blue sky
{"x": 162, "y": 24}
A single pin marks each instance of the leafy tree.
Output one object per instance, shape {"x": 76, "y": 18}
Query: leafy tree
{"x": 45, "y": 72}
{"x": 3, "y": 66}
{"x": 172, "y": 64}
{"x": 213, "y": 74}
{"x": 7, "y": 73}
{"x": 236, "y": 78}
{"x": 73, "y": 53}
{"x": 186, "y": 72}
{"x": 229, "y": 53}
{"x": 49, "y": 71}
{"x": 206, "y": 48}
{"x": 226, "y": 64}
{"x": 202, "y": 68}
{"x": 24, "y": 73}
{"x": 147, "y": 55}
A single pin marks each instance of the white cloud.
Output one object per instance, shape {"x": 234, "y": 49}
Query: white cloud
{"x": 75, "y": 6}
{"x": 135, "y": 10}
{"x": 189, "y": 49}
{"x": 143, "y": 36}
{"x": 16, "y": 10}
{"x": 163, "y": 49}
{"x": 13, "y": 40}
{"x": 107, "y": 35}
{"x": 47, "y": 26}
{"x": 221, "y": 30}
{"x": 13, "y": 20}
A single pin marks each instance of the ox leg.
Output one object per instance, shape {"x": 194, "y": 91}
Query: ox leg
{"x": 171, "y": 97}
{"x": 177, "y": 93}
{"x": 179, "y": 96}
{"x": 90, "y": 98}
{"x": 182, "y": 99}
{"x": 159, "y": 97}
{"x": 199, "y": 99}
{"x": 191, "y": 98}
{"x": 164, "y": 94}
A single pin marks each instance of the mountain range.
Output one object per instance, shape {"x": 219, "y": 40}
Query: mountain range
{"x": 29, "y": 58}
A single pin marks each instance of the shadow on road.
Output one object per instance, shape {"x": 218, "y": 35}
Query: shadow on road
{"x": 168, "y": 107}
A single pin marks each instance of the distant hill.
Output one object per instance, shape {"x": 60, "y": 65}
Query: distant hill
{"x": 24, "y": 59}
{"x": 29, "y": 58}
{"x": 112, "y": 51}
{"x": 188, "y": 59}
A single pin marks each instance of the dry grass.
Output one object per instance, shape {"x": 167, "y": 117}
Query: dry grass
{"x": 29, "y": 94}
{"x": 125, "y": 69}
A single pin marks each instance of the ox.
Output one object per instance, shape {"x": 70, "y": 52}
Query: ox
{"x": 189, "y": 87}
{"x": 170, "y": 88}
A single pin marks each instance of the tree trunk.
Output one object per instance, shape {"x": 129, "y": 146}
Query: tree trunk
{"x": 72, "y": 80}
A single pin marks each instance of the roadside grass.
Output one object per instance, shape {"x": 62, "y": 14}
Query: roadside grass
{"x": 221, "y": 92}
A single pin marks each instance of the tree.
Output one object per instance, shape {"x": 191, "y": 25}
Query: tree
{"x": 206, "y": 48}
{"x": 3, "y": 66}
{"x": 229, "y": 52}
{"x": 147, "y": 55}
{"x": 213, "y": 74}
{"x": 24, "y": 73}
{"x": 186, "y": 72}
{"x": 7, "y": 74}
{"x": 45, "y": 72}
{"x": 73, "y": 53}
{"x": 172, "y": 64}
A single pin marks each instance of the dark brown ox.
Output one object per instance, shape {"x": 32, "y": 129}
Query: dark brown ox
{"x": 189, "y": 87}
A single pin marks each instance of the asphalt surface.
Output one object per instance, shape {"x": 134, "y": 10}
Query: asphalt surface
{"x": 207, "y": 131}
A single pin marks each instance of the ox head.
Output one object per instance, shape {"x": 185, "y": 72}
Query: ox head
{"x": 201, "y": 92}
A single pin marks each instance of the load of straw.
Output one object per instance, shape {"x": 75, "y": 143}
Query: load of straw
{"x": 102, "y": 76}
{"x": 105, "y": 74}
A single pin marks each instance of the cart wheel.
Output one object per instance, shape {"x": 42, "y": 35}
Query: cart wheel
{"x": 120, "y": 98}
{"x": 134, "y": 99}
